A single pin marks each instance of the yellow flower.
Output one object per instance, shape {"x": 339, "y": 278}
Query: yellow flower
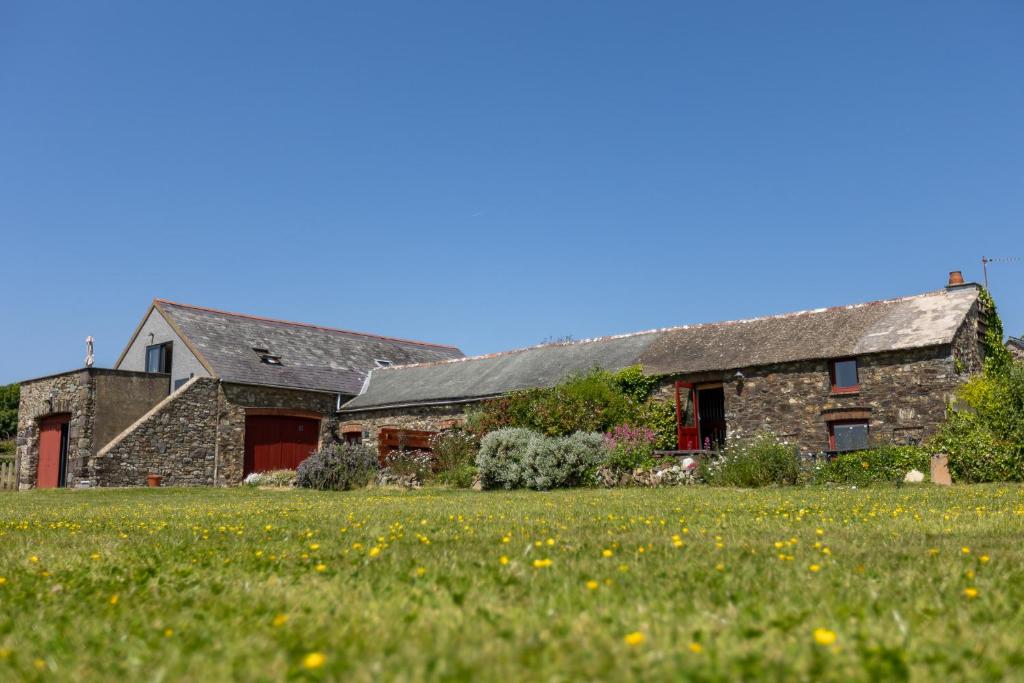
{"x": 635, "y": 638}
{"x": 933, "y": 551}
{"x": 592, "y": 585}
{"x": 33, "y": 559}
{"x": 94, "y": 556}
{"x": 720, "y": 567}
{"x": 820, "y": 532}
{"x": 375, "y": 551}
{"x": 971, "y": 593}
{"x": 965, "y": 550}
{"x": 822, "y": 636}
{"x": 314, "y": 660}
{"x": 3, "y": 580}
{"x": 113, "y": 599}
{"x": 314, "y": 546}
{"x": 505, "y": 539}
{"x": 503, "y": 559}
{"x": 551, "y": 541}
{"x": 168, "y": 632}
{"x": 540, "y": 564}
{"x": 607, "y": 552}
{"x": 420, "y": 571}
{"x": 321, "y": 568}
{"x": 695, "y": 648}
{"x": 983, "y": 559}
{"x": 39, "y": 664}
{"x": 280, "y": 620}
{"x": 815, "y": 567}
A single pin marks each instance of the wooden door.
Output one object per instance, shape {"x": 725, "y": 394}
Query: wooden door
{"x": 53, "y": 451}
{"x": 278, "y": 442}
{"x": 687, "y": 431}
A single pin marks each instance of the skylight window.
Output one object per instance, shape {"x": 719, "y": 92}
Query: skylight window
{"x": 381, "y": 363}
{"x": 266, "y": 356}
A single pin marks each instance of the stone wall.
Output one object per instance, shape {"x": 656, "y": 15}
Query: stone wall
{"x": 426, "y": 418}
{"x": 968, "y": 349}
{"x": 235, "y": 400}
{"x": 176, "y": 439}
{"x": 903, "y": 395}
{"x": 71, "y": 393}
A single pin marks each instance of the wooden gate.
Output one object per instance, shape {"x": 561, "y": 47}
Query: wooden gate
{"x": 8, "y": 473}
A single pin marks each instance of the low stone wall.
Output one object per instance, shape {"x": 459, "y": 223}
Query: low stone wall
{"x": 176, "y": 439}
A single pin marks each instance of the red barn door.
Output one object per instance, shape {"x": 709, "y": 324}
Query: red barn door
{"x": 278, "y": 442}
{"x": 53, "y": 451}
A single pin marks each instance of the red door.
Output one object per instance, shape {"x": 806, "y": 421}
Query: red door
{"x": 53, "y": 451}
{"x": 278, "y": 442}
{"x": 687, "y": 431}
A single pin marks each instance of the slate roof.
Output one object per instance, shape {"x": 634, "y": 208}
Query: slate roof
{"x": 924, "y": 320}
{"x": 1016, "y": 346}
{"x": 312, "y": 357}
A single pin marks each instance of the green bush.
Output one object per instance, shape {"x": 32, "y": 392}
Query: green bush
{"x": 760, "y": 461}
{"x": 338, "y": 467}
{"x": 985, "y": 441}
{"x": 513, "y": 457}
{"x": 880, "y": 464}
{"x": 595, "y": 401}
{"x": 454, "y": 454}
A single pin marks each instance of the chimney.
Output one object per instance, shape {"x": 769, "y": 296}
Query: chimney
{"x": 955, "y": 278}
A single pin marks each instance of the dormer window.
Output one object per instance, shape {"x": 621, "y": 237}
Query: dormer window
{"x": 844, "y": 376}
{"x": 381, "y": 363}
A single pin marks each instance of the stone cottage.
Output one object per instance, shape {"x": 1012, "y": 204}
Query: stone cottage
{"x": 831, "y": 379}
{"x": 200, "y": 397}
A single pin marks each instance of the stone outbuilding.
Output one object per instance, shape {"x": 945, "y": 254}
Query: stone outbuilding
{"x": 830, "y": 379}
{"x": 200, "y": 397}
{"x": 1016, "y": 347}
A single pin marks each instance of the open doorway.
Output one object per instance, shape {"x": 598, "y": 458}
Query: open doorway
{"x": 711, "y": 407}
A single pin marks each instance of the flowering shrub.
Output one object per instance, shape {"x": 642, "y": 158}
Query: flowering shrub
{"x": 520, "y": 458}
{"x": 272, "y": 478}
{"x": 630, "y": 448}
{"x": 415, "y": 464}
{"x": 750, "y": 463}
{"x": 337, "y": 467}
{"x": 454, "y": 454}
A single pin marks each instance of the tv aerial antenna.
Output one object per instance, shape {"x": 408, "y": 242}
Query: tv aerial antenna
{"x": 985, "y": 260}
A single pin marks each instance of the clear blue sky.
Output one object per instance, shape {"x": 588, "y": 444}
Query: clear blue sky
{"x": 491, "y": 175}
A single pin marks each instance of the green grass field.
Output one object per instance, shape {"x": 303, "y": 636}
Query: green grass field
{"x": 698, "y": 583}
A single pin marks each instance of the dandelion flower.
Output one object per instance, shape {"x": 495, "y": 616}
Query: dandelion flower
{"x": 823, "y": 636}
{"x": 280, "y": 620}
{"x": 168, "y": 632}
{"x": 971, "y": 593}
{"x": 314, "y": 660}
{"x": 503, "y": 559}
{"x": 540, "y": 564}
{"x": 815, "y": 568}
{"x": 3, "y": 580}
{"x": 635, "y": 638}
{"x": 113, "y": 599}
{"x": 321, "y": 568}
{"x": 592, "y": 585}
{"x": 607, "y": 552}
{"x": 314, "y": 546}
{"x": 965, "y": 550}
{"x": 375, "y": 551}
{"x": 695, "y": 648}
{"x": 983, "y": 559}
{"x": 420, "y": 571}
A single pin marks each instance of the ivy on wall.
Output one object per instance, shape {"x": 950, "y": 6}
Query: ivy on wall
{"x": 997, "y": 359}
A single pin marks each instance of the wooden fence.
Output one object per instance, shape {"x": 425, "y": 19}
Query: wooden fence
{"x": 8, "y": 473}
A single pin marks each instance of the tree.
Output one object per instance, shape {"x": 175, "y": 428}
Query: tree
{"x": 9, "y": 396}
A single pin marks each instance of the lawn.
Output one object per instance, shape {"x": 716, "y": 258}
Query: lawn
{"x": 698, "y": 583}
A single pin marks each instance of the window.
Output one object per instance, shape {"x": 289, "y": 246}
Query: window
{"x": 849, "y": 435}
{"x": 381, "y": 363}
{"x": 179, "y": 383}
{"x": 266, "y": 356}
{"x": 844, "y": 376}
{"x": 158, "y": 358}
